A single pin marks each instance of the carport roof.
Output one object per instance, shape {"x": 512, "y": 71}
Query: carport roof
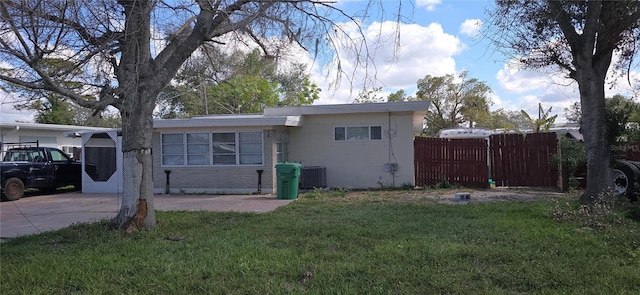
{"x": 51, "y": 127}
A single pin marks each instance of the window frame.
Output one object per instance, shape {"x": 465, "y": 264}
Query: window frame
{"x": 282, "y": 146}
{"x": 210, "y": 151}
{"x": 345, "y": 133}
{"x": 163, "y": 154}
{"x": 240, "y": 154}
{"x": 188, "y": 144}
{"x": 235, "y": 148}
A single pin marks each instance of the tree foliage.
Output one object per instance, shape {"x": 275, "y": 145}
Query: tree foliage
{"x": 571, "y": 157}
{"x": 56, "y": 109}
{"x": 503, "y": 119}
{"x": 579, "y": 38}
{"x": 234, "y": 83}
{"x": 455, "y": 100}
{"x": 543, "y": 123}
{"x": 375, "y": 96}
{"x": 399, "y": 95}
{"x": 53, "y": 108}
{"x": 369, "y": 96}
{"x": 620, "y": 112}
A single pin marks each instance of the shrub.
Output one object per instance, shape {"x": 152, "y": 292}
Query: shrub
{"x": 572, "y": 155}
{"x": 607, "y": 210}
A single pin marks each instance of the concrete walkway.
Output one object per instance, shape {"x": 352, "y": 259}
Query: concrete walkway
{"x": 36, "y": 214}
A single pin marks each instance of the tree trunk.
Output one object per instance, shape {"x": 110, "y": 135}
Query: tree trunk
{"x": 594, "y": 129}
{"x": 137, "y": 92}
{"x": 137, "y": 210}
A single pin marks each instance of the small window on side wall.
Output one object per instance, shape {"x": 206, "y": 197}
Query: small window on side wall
{"x": 357, "y": 133}
{"x": 376, "y": 132}
{"x": 339, "y": 133}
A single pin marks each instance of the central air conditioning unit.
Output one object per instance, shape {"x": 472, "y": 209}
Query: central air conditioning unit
{"x": 312, "y": 177}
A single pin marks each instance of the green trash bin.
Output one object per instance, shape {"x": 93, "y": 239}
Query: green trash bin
{"x": 288, "y": 175}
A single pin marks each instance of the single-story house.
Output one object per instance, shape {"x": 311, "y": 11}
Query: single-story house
{"x": 347, "y": 146}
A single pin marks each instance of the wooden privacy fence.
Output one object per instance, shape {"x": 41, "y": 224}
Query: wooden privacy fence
{"x": 508, "y": 159}
{"x": 518, "y": 160}
{"x": 462, "y": 161}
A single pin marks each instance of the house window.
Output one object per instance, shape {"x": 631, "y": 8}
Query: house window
{"x": 282, "y": 147}
{"x": 70, "y": 150}
{"x": 220, "y": 148}
{"x": 339, "y": 133}
{"x": 357, "y": 133}
{"x": 250, "y": 148}
{"x": 197, "y": 148}
{"x": 224, "y": 148}
{"x": 172, "y": 149}
{"x": 237, "y": 148}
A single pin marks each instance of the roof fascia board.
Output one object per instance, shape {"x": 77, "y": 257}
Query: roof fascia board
{"x": 413, "y": 106}
{"x": 231, "y": 121}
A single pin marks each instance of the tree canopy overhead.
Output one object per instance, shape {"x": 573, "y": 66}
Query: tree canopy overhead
{"x": 127, "y": 51}
{"x": 579, "y": 38}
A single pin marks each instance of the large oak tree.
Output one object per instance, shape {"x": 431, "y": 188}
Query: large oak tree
{"x": 580, "y": 38}
{"x": 129, "y": 50}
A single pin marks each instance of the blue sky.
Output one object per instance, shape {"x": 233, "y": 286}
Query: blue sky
{"x": 440, "y": 37}
{"x": 437, "y": 37}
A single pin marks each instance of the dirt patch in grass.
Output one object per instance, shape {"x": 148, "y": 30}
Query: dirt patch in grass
{"x": 448, "y": 196}
{"x": 491, "y": 195}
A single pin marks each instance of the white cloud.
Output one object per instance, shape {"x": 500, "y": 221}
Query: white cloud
{"x": 428, "y": 4}
{"x": 512, "y": 78}
{"x": 553, "y": 88}
{"x": 8, "y": 100}
{"x": 471, "y": 27}
{"x": 422, "y": 51}
{"x": 627, "y": 84}
{"x": 8, "y": 113}
{"x": 527, "y": 88}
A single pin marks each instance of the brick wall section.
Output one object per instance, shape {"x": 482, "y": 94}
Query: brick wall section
{"x": 216, "y": 179}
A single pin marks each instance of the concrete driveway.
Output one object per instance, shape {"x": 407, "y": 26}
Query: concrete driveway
{"x": 36, "y": 214}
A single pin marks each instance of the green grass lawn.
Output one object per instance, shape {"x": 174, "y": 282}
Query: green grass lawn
{"x": 334, "y": 243}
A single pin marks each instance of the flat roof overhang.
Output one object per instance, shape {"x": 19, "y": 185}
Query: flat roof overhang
{"x": 229, "y": 121}
{"x": 330, "y": 109}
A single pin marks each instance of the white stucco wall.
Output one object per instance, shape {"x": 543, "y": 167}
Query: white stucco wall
{"x": 357, "y": 164}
